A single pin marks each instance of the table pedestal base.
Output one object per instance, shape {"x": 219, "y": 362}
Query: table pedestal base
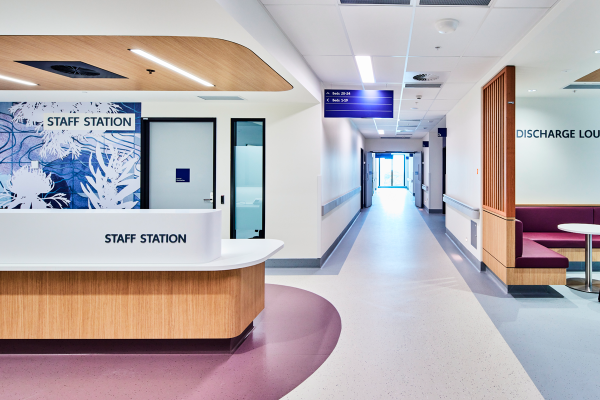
{"x": 579, "y": 284}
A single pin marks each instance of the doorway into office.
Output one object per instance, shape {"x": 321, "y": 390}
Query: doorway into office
{"x": 178, "y": 163}
{"x": 392, "y": 169}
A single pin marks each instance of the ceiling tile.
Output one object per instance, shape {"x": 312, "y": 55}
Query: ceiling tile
{"x": 425, "y": 37}
{"x": 416, "y": 114}
{"x": 376, "y": 86}
{"x": 433, "y": 115}
{"x": 524, "y": 3}
{"x": 378, "y": 31}
{"x": 472, "y": 69}
{"x": 412, "y": 93}
{"x": 334, "y": 68}
{"x": 494, "y": 39}
{"x": 443, "y": 105}
{"x": 422, "y": 105}
{"x": 313, "y": 29}
{"x": 454, "y": 91}
{"x": 427, "y": 64}
{"x": 388, "y": 69}
{"x": 386, "y": 122}
{"x": 349, "y": 86}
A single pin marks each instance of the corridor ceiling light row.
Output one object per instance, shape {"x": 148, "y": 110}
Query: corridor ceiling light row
{"x": 7, "y": 78}
{"x": 365, "y": 67}
{"x": 170, "y": 66}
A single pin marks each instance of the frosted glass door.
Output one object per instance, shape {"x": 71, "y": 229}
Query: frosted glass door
{"x": 181, "y": 165}
{"x": 248, "y": 184}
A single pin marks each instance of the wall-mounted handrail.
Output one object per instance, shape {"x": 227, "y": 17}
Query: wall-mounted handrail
{"x": 329, "y": 206}
{"x": 466, "y": 209}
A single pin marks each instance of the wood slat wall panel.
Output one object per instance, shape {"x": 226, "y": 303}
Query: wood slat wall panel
{"x": 129, "y": 305}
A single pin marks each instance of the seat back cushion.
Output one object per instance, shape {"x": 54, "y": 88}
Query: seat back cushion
{"x": 597, "y": 215}
{"x": 518, "y": 238}
{"x": 547, "y": 219}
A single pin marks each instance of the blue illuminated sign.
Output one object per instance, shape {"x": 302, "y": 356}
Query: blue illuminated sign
{"x": 182, "y": 175}
{"x": 359, "y": 103}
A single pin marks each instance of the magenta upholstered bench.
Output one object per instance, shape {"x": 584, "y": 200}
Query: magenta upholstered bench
{"x": 530, "y": 254}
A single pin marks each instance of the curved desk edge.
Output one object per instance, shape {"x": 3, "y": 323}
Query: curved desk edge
{"x": 235, "y": 254}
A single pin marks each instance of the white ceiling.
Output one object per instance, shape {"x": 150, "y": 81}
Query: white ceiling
{"x": 402, "y": 41}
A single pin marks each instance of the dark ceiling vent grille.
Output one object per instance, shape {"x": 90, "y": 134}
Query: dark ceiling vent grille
{"x": 423, "y": 85}
{"x": 72, "y": 69}
{"x": 577, "y": 87}
{"x": 426, "y": 77}
{"x": 402, "y": 2}
{"x": 221, "y": 98}
{"x": 454, "y": 2}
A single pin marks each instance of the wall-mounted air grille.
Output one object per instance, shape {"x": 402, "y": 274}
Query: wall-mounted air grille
{"x": 221, "y": 98}
{"x": 578, "y": 87}
{"x": 454, "y": 2}
{"x": 404, "y": 2}
{"x": 73, "y": 69}
{"x": 423, "y": 85}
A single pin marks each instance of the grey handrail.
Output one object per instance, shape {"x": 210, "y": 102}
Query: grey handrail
{"x": 469, "y": 211}
{"x": 329, "y": 206}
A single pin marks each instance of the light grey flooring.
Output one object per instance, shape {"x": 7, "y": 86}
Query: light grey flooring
{"x": 556, "y": 339}
{"x": 411, "y": 326}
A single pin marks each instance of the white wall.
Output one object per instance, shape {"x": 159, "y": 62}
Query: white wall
{"x": 340, "y": 173}
{"x": 293, "y": 151}
{"x": 558, "y": 170}
{"x": 463, "y": 165}
{"x": 399, "y": 145}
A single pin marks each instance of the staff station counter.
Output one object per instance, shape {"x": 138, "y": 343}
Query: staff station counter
{"x": 52, "y": 294}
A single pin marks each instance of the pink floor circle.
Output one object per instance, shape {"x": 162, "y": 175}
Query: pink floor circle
{"x": 293, "y": 336}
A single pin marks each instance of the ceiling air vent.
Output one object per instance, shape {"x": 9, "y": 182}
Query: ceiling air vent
{"x": 406, "y": 2}
{"x": 221, "y": 98}
{"x": 578, "y": 87}
{"x": 423, "y": 85}
{"x": 454, "y": 2}
{"x": 72, "y": 69}
{"x": 426, "y": 77}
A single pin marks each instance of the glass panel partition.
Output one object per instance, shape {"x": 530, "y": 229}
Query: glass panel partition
{"x": 248, "y": 157}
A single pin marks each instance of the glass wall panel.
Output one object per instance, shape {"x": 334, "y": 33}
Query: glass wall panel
{"x": 248, "y": 184}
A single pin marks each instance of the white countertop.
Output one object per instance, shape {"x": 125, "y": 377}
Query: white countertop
{"x": 585, "y": 229}
{"x": 235, "y": 254}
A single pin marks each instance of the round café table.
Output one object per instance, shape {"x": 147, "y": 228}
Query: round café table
{"x": 586, "y": 284}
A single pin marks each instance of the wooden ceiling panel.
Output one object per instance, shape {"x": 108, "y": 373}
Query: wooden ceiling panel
{"x": 227, "y": 65}
{"x": 592, "y": 77}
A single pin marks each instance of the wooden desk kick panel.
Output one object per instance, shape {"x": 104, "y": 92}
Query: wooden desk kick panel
{"x": 130, "y": 305}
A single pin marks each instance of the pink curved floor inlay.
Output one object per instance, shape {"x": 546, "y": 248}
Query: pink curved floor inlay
{"x": 293, "y": 336}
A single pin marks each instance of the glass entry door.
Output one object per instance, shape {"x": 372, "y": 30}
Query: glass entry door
{"x": 391, "y": 170}
{"x": 247, "y": 179}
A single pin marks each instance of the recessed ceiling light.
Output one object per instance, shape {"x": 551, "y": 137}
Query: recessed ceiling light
{"x": 18, "y": 81}
{"x": 365, "y": 67}
{"x": 170, "y": 66}
{"x": 597, "y": 52}
{"x": 380, "y": 131}
{"x": 532, "y": 90}
{"x": 414, "y": 108}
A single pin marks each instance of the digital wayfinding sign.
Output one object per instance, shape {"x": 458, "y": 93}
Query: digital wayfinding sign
{"x": 359, "y": 103}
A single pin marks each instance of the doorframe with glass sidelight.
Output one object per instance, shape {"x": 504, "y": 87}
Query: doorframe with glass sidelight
{"x": 145, "y": 157}
{"x": 404, "y": 156}
{"x": 261, "y": 233}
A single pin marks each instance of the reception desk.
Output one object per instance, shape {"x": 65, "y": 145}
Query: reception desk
{"x": 54, "y": 294}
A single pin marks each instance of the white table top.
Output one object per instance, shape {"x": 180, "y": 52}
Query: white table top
{"x": 586, "y": 229}
{"x": 235, "y": 254}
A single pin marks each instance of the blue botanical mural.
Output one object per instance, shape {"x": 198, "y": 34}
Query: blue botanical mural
{"x": 65, "y": 168}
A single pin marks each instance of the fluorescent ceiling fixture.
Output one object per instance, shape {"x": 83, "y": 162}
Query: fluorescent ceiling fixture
{"x": 380, "y": 131}
{"x": 532, "y": 90}
{"x": 597, "y": 51}
{"x": 17, "y": 81}
{"x": 170, "y": 66}
{"x": 365, "y": 67}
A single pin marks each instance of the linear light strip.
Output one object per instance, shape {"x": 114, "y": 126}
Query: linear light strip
{"x": 18, "y": 81}
{"x": 365, "y": 67}
{"x": 170, "y": 66}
